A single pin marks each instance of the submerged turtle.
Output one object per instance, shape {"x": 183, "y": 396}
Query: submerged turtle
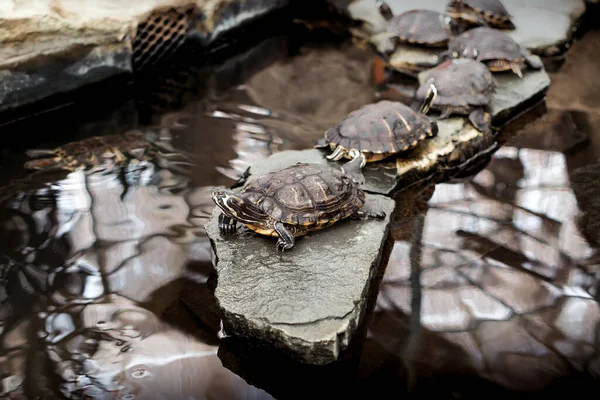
{"x": 462, "y": 86}
{"x": 98, "y": 150}
{"x": 492, "y": 47}
{"x": 481, "y": 12}
{"x": 292, "y": 202}
{"x": 377, "y": 131}
{"x": 422, "y": 27}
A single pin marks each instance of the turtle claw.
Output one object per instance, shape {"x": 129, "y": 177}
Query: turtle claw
{"x": 283, "y": 246}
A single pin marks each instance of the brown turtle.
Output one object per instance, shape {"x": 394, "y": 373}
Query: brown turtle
{"x": 481, "y": 12}
{"x": 377, "y": 131}
{"x": 494, "y": 48}
{"x": 101, "y": 150}
{"x": 421, "y": 27}
{"x": 292, "y": 202}
{"x": 462, "y": 86}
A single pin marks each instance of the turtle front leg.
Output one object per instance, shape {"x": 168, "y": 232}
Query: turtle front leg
{"x": 353, "y": 168}
{"x": 337, "y": 154}
{"x": 516, "y": 69}
{"x": 227, "y": 225}
{"x": 286, "y": 237}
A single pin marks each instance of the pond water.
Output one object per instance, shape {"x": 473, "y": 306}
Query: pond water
{"x": 107, "y": 278}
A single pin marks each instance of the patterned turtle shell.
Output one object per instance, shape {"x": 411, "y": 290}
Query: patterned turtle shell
{"x": 380, "y": 130}
{"x": 490, "y": 12}
{"x": 495, "y": 48}
{"x": 423, "y": 27}
{"x": 461, "y": 84}
{"x": 97, "y": 150}
{"x": 312, "y": 196}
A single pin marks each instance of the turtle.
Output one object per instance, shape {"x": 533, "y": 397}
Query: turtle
{"x": 493, "y": 47}
{"x": 418, "y": 27}
{"x": 98, "y": 150}
{"x": 376, "y": 131}
{"x": 463, "y": 86}
{"x": 489, "y": 13}
{"x": 291, "y": 202}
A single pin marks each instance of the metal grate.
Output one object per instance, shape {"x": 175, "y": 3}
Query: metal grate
{"x": 159, "y": 37}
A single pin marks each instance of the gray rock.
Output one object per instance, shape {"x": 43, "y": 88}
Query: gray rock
{"x": 62, "y": 74}
{"x": 307, "y": 302}
{"x": 542, "y": 26}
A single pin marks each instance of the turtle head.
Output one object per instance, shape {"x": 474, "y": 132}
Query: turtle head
{"x": 429, "y": 98}
{"x": 384, "y": 10}
{"x": 237, "y": 206}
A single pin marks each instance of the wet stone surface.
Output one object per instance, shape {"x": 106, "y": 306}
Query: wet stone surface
{"x": 306, "y": 302}
{"x": 542, "y": 26}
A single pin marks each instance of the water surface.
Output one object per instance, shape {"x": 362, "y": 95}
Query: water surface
{"x": 107, "y": 278}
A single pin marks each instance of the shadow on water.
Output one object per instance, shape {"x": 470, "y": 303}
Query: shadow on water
{"x": 107, "y": 277}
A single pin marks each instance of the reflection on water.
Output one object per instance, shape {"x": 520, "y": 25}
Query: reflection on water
{"x": 107, "y": 276}
{"x": 504, "y": 278}
{"x": 80, "y": 271}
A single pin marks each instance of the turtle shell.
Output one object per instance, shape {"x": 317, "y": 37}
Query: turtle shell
{"x": 382, "y": 127}
{"x": 309, "y": 195}
{"x": 459, "y": 83}
{"x": 423, "y": 27}
{"x": 486, "y": 44}
{"x": 491, "y": 9}
{"x": 88, "y": 152}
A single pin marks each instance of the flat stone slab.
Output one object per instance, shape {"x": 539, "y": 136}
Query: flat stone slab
{"x": 542, "y": 26}
{"x": 55, "y": 46}
{"x": 306, "y": 302}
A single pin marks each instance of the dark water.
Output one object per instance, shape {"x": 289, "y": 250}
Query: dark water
{"x": 107, "y": 278}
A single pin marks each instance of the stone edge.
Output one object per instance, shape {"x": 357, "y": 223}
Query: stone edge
{"x": 326, "y": 351}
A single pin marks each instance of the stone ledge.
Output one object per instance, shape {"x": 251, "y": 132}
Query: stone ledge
{"x": 54, "y": 46}
{"x": 308, "y": 302}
